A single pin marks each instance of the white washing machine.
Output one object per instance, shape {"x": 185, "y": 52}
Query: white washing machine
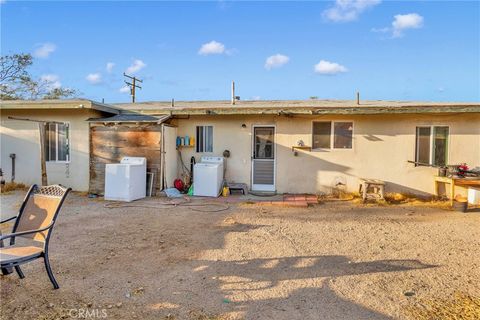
{"x": 127, "y": 180}
{"x": 208, "y": 177}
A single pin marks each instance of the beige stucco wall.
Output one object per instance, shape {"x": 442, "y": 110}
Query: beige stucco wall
{"x": 22, "y": 138}
{"x": 382, "y": 144}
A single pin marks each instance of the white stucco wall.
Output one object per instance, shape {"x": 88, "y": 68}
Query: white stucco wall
{"x": 381, "y": 147}
{"x": 22, "y": 138}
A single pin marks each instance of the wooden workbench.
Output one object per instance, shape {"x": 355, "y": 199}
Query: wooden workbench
{"x": 455, "y": 182}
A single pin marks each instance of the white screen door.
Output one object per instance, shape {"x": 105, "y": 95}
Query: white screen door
{"x": 263, "y": 159}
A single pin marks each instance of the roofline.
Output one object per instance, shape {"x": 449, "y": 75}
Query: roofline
{"x": 162, "y": 118}
{"x": 365, "y": 110}
{"x": 58, "y": 104}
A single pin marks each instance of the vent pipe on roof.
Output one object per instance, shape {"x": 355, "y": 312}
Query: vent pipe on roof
{"x": 233, "y": 92}
{"x": 358, "y": 98}
{"x": 173, "y": 102}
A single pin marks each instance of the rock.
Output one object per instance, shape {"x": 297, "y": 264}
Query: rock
{"x": 128, "y": 295}
{"x": 51, "y": 305}
{"x": 119, "y": 305}
{"x": 89, "y": 305}
{"x": 409, "y": 293}
{"x": 110, "y": 306}
{"x": 138, "y": 291}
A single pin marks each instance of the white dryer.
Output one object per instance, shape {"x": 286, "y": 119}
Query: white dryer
{"x": 208, "y": 177}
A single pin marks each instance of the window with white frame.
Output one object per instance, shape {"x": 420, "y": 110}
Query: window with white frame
{"x": 204, "y": 139}
{"x": 57, "y": 144}
{"x": 432, "y": 145}
{"x": 332, "y": 135}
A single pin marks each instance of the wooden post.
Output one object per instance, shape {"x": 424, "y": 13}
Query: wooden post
{"x": 43, "y": 166}
{"x": 133, "y": 89}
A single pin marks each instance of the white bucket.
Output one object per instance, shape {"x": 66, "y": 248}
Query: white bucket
{"x": 473, "y": 196}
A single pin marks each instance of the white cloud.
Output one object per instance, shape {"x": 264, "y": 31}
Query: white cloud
{"x": 403, "y": 22}
{"x": 94, "y": 78}
{"x": 400, "y": 23}
{"x": 109, "y": 66}
{"x": 44, "y": 50}
{"x": 276, "y": 61}
{"x": 256, "y": 98}
{"x": 3, "y": 1}
{"x": 329, "y": 68}
{"x": 136, "y": 66}
{"x": 124, "y": 89}
{"x": 51, "y": 81}
{"x": 348, "y": 10}
{"x": 212, "y": 47}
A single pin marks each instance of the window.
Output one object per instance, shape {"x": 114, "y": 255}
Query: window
{"x": 343, "y": 135}
{"x": 204, "y": 139}
{"x": 321, "y": 135}
{"x": 328, "y": 133}
{"x": 57, "y": 146}
{"x": 432, "y": 145}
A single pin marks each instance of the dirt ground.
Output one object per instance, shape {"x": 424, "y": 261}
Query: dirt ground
{"x": 335, "y": 260}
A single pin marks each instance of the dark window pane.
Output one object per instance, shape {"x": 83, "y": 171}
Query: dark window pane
{"x": 321, "y": 135}
{"x": 423, "y": 145}
{"x": 208, "y": 139}
{"x": 343, "y": 135}
{"x": 199, "y": 139}
{"x": 440, "y": 145}
{"x": 62, "y": 142}
{"x": 52, "y": 141}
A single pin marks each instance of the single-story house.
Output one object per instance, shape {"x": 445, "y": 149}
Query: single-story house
{"x": 306, "y": 146}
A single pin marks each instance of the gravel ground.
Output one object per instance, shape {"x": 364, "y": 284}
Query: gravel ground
{"x": 335, "y": 260}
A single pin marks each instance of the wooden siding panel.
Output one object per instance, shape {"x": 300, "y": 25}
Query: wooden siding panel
{"x": 109, "y": 144}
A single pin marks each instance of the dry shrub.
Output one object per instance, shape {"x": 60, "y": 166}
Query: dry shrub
{"x": 396, "y": 197}
{"x": 461, "y": 306}
{"x": 341, "y": 194}
{"x": 12, "y": 186}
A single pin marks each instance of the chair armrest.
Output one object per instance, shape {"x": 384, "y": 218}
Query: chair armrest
{"x": 22, "y": 233}
{"x": 6, "y": 220}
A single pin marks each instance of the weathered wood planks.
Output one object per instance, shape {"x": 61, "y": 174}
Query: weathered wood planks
{"x": 109, "y": 144}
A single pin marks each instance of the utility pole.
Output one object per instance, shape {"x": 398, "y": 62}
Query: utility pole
{"x": 133, "y": 85}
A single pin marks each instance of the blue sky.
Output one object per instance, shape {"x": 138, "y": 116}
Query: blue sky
{"x": 392, "y": 50}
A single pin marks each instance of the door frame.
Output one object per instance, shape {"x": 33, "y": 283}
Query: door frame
{"x": 264, "y": 187}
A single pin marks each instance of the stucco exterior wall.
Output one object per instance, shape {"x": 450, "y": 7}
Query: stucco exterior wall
{"x": 22, "y": 138}
{"x": 382, "y": 145}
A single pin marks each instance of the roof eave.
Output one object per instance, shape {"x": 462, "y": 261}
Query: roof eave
{"x": 317, "y": 111}
{"x": 57, "y": 104}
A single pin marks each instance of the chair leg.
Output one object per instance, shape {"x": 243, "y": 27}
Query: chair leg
{"x": 6, "y": 271}
{"x": 50, "y": 273}
{"x": 20, "y": 272}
